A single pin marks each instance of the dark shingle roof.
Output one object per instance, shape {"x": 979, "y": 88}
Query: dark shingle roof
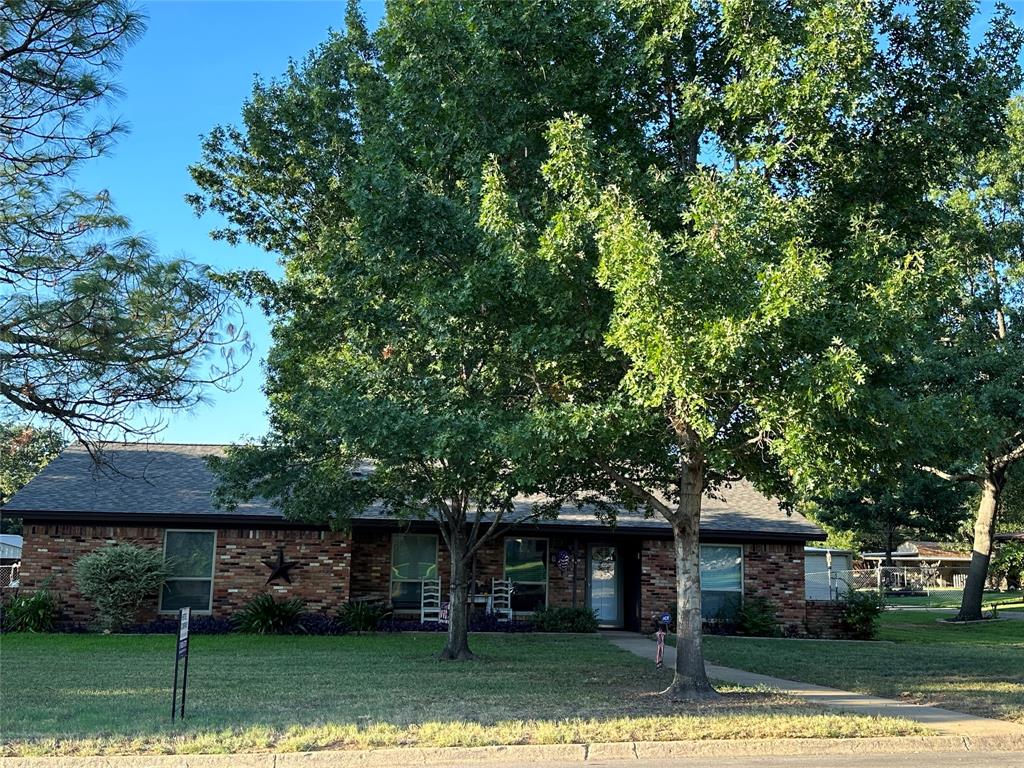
{"x": 172, "y": 480}
{"x": 135, "y": 479}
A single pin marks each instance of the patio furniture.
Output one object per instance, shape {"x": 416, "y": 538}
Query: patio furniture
{"x": 501, "y": 599}
{"x": 430, "y": 600}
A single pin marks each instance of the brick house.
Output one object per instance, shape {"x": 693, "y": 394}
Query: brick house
{"x": 159, "y": 496}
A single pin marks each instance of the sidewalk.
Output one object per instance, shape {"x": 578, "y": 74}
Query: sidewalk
{"x": 942, "y": 721}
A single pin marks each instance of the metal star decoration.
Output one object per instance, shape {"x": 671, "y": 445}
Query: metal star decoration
{"x": 279, "y": 569}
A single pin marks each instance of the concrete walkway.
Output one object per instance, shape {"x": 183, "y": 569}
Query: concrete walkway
{"x": 943, "y": 721}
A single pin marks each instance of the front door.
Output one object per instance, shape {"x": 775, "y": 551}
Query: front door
{"x": 605, "y": 585}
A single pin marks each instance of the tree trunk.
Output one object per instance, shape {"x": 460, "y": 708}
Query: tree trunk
{"x": 984, "y": 531}
{"x": 457, "y": 646}
{"x": 690, "y": 681}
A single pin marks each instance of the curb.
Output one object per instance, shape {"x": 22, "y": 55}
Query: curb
{"x": 582, "y": 754}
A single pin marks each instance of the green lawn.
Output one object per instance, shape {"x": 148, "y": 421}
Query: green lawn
{"x": 951, "y": 599}
{"x": 75, "y": 694}
{"x": 977, "y": 668}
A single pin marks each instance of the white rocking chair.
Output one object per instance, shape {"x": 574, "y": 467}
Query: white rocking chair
{"x": 501, "y": 599}
{"x": 430, "y": 600}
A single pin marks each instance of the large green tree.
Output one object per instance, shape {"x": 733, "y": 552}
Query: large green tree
{"x": 678, "y": 285}
{"x": 894, "y": 504}
{"x": 399, "y": 374}
{"x": 966, "y": 380}
{"x": 763, "y": 263}
{"x": 94, "y": 328}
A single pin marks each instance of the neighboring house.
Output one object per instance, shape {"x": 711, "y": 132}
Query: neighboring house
{"x": 159, "y": 496}
{"x": 10, "y": 560}
{"x": 10, "y": 548}
{"x": 940, "y": 564}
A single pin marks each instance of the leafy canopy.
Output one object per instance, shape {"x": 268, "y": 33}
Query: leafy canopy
{"x": 24, "y": 451}
{"x": 403, "y": 333}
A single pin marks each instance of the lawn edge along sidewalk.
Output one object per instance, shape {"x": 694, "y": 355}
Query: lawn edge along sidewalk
{"x": 946, "y": 722}
{"x": 546, "y": 753}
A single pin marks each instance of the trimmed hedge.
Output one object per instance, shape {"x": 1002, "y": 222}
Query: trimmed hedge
{"x": 118, "y": 580}
{"x": 564, "y": 620}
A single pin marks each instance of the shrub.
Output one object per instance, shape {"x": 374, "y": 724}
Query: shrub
{"x": 34, "y": 612}
{"x": 485, "y": 623}
{"x": 861, "y": 610}
{"x": 361, "y": 616}
{"x": 756, "y": 618}
{"x": 322, "y": 624}
{"x": 564, "y": 620}
{"x": 118, "y": 580}
{"x": 263, "y": 615}
{"x": 197, "y": 625}
{"x": 490, "y": 622}
{"x": 390, "y": 624}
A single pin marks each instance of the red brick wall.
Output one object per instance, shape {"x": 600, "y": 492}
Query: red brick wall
{"x": 776, "y": 572}
{"x": 657, "y": 580}
{"x": 824, "y": 619}
{"x": 773, "y": 571}
{"x": 560, "y": 582}
{"x": 49, "y": 554}
{"x": 333, "y": 567}
{"x": 321, "y": 578}
{"x": 371, "y": 563}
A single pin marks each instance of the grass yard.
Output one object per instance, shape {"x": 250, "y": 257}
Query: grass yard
{"x": 976, "y": 668}
{"x": 82, "y": 694}
{"x": 951, "y": 599}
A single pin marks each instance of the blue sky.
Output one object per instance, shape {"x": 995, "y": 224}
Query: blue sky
{"x": 192, "y": 70}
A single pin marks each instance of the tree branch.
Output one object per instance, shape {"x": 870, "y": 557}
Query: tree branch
{"x": 953, "y": 477}
{"x": 638, "y": 490}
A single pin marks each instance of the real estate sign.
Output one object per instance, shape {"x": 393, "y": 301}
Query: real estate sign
{"x": 181, "y": 657}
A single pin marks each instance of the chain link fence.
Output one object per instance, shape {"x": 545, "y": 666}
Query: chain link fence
{"x": 9, "y": 576}
{"x": 928, "y": 586}
{"x": 937, "y": 586}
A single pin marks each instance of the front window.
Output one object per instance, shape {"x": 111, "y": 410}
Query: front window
{"x": 413, "y": 559}
{"x": 526, "y": 566}
{"x": 721, "y": 581}
{"x": 188, "y": 559}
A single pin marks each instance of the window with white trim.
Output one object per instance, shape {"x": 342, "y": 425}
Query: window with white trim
{"x": 526, "y": 566}
{"x": 721, "y": 581}
{"x": 188, "y": 558}
{"x": 413, "y": 559}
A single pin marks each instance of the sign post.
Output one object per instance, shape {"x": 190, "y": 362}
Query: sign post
{"x": 181, "y": 655}
{"x": 659, "y": 651}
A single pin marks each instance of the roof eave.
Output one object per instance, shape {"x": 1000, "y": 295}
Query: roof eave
{"x": 229, "y": 520}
